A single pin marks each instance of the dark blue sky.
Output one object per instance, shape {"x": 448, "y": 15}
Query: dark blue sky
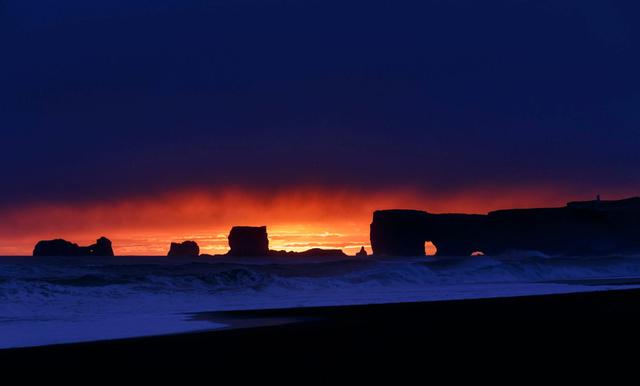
{"x": 102, "y": 99}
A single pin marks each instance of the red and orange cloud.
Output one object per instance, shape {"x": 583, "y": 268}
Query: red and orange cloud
{"x": 297, "y": 219}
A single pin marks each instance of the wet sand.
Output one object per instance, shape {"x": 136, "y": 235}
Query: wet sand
{"x": 528, "y": 333}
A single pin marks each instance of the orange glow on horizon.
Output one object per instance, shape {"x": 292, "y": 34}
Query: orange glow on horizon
{"x": 296, "y": 219}
{"x": 430, "y": 249}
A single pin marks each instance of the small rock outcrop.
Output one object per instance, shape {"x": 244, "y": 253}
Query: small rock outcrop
{"x": 362, "y": 253}
{"x": 102, "y": 247}
{"x": 313, "y": 252}
{"x": 248, "y": 241}
{"x": 319, "y": 252}
{"x": 184, "y": 249}
{"x": 60, "y": 247}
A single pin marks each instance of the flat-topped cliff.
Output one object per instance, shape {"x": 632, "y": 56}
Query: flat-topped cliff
{"x": 583, "y": 227}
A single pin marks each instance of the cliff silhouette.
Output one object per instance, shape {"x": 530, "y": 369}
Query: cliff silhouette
{"x": 579, "y": 228}
{"x": 61, "y": 247}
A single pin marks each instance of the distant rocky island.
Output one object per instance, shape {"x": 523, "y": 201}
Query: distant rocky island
{"x": 60, "y": 247}
{"x": 580, "y": 228}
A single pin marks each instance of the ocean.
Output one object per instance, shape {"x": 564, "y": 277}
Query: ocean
{"x": 52, "y": 300}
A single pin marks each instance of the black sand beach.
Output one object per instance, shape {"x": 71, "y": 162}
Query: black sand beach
{"x": 531, "y": 332}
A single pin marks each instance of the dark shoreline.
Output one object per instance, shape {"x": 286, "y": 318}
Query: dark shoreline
{"x": 579, "y": 325}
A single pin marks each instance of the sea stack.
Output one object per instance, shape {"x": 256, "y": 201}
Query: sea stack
{"x": 184, "y": 249}
{"x": 248, "y": 241}
{"x": 57, "y": 247}
{"x": 102, "y": 247}
{"x": 60, "y": 247}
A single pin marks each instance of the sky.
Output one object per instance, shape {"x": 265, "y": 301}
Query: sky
{"x": 150, "y": 121}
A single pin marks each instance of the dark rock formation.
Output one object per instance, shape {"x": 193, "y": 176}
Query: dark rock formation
{"x": 253, "y": 241}
{"x": 57, "y": 247}
{"x": 319, "y": 252}
{"x": 248, "y": 241}
{"x": 60, "y": 247}
{"x": 184, "y": 249}
{"x": 579, "y": 228}
{"x": 102, "y": 247}
{"x": 313, "y": 252}
{"x": 362, "y": 253}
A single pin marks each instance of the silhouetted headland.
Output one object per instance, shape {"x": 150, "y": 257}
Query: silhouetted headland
{"x": 362, "y": 253}
{"x": 184, "y": 249}
{"x": 60, "y": 247}
{"x": 579, "y": 228}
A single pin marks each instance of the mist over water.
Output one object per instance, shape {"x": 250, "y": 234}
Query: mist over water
{"x": 56, "y": 300}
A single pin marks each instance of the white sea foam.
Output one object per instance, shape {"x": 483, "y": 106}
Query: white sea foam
{"x": 58, "y": 300}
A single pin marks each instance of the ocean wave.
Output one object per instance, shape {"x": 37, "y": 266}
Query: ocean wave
{"x": 52, "y": 294}
{"x": 224, "y": 276}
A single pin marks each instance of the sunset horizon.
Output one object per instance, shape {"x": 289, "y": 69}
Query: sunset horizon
{"x": 297, "y": 219}
{"x": 326, "y": 187}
